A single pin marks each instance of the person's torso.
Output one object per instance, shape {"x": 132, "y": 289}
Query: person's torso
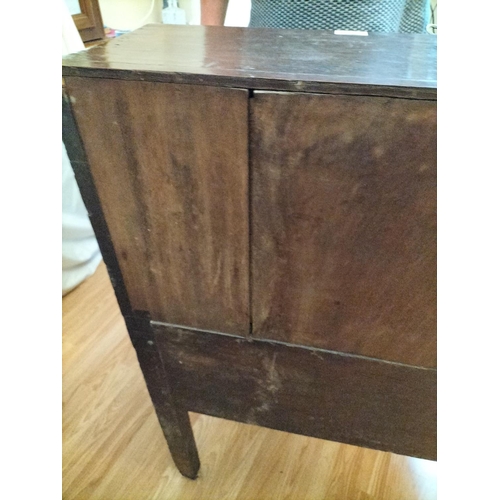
{"x": 377, "y": 16}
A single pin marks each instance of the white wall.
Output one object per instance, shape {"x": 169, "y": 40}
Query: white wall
{"x": 434, "y": 6}
{"x": 192, "y": 9}
{"x": 132, "y": 14}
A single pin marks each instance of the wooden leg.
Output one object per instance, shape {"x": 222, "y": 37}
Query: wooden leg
{"x": 179, "y": 435}
{"x": 174, "y": 420}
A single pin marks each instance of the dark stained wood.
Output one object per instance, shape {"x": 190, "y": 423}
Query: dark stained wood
{"x": 350, "y": 399}
{"x": 79, "y": 163}
{"x": 317, "y": 61}
{"x": 170, "y": 164}
{"x": 174, "y": 420}
{"x": 344, "y": 224}
{"x": 300, "y": 226}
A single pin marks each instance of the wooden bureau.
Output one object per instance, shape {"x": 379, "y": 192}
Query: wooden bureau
{"x": 265, "y": 203}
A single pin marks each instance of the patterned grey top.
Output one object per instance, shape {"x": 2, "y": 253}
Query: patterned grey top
{"x": 382, "y": 16}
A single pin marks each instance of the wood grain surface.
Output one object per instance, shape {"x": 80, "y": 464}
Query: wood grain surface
{"x": 170, "y": 164}
{"x": 342, "y": 220}
{"x": 317, "y": 393}
{"x": 79, "y": 163}
{"x": 344, "y": 224}
{"x": 174, "y": 420}
{"x": 113, "y": 445}
{"x": 269, "y": 59}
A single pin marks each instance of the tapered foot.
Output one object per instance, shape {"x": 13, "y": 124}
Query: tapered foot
{"x": 174, "y": 420}
{"x": 179, "y": 435}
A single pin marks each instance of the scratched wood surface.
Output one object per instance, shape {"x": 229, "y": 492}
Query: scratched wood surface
{"x": 113, "y": 446}
{"x": 344, "y": 224}
{"x": 170, "y": 165}
{"x": 381, "y": 405}
{"x": 277, "y": 59}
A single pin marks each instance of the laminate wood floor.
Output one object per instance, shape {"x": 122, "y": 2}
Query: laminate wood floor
{"x": 113, "y": 447}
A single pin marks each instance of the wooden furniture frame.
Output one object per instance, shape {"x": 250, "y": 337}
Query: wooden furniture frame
{"x": 265, "y": 203}
{"x": 89, "y": 21}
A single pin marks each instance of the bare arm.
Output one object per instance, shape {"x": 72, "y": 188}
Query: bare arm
{"x": 213, "y": 12}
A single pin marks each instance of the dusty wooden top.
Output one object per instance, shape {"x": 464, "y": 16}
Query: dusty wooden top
{"x": 402, "y": 65}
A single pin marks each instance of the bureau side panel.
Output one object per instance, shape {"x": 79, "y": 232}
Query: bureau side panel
{"x": 170, "y": 165}
{"x": 344, "y": 224}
